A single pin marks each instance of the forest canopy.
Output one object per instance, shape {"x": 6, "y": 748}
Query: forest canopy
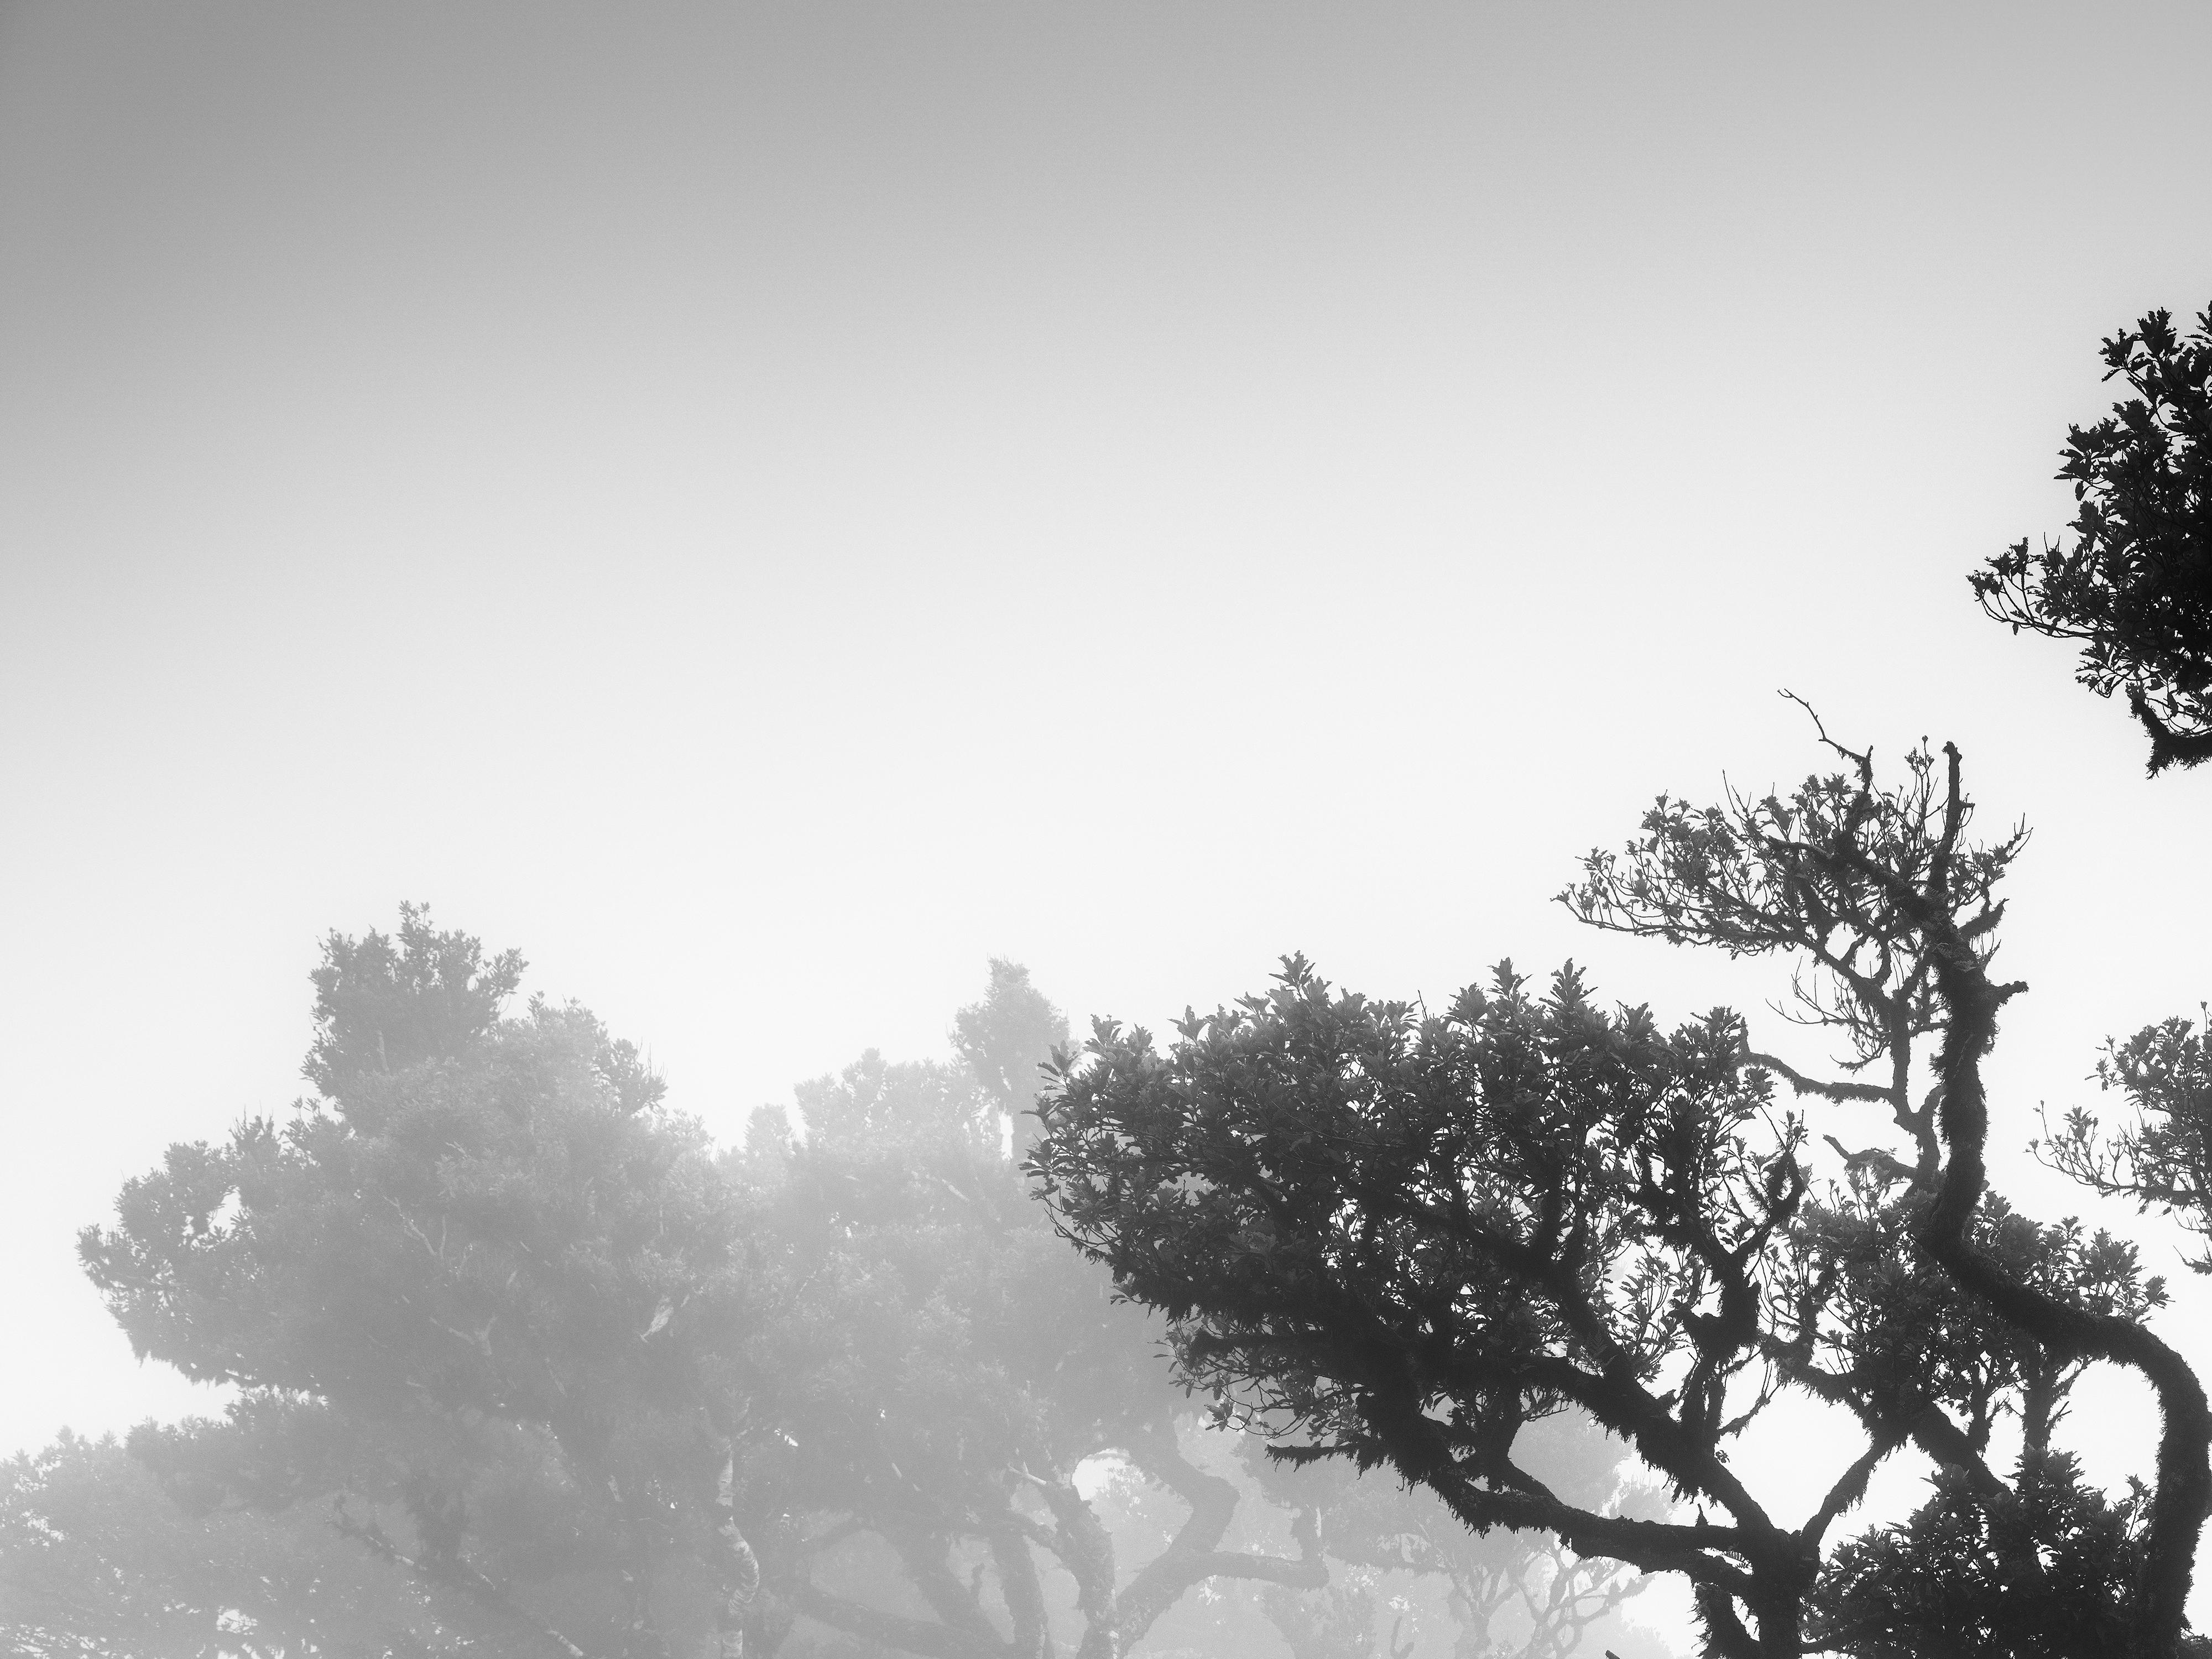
{"x": 526, "y": 1365}
{"x": 1384, "y": 1325}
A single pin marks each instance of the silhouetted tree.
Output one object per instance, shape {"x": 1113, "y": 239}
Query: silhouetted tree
{"x": 1404, "y": 1236}
{"x": 2135, "y": 585}
{"x": 2041, "y": 1573}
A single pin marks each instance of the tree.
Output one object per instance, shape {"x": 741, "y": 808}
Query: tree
{"x": 1335, "y": 1623}
{"x": 1402, "y": 1237}
{"x": 2041, "y": 1575}
{"x": 97, "y": 1559}
{"x": 485, "y": 1296}
{"x": 2134, "y": 586}
{"x": 1896, "y": 912}
{"x": 508, "y": 1329}
{"x": 950, "y": 1367}
{"x": 2044, "y": 1564}
{"x": 1511, "y": 1592}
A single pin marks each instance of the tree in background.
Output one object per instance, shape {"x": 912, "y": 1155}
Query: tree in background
{"x": 1403, "y": 1240}
{"x": 2161, "y": 1155}
{"x": 485, "y": 1298}
{"x": 526, "y": 1364}
{"x": 2134, "y": 586}
{"x": 1424, "y": 1581}
{"x": 519, "y": 1352}
{"x": 1337, "y": 1622}
{"x": 948, "y": 1367}
{"x": 1510, "y": 1592}
{"x": 96, "y": 1558}
{"x": 1403, "y": 1237}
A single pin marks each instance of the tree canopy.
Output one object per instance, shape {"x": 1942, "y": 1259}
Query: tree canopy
{"x": 1403, "y": 1236}
{"x": 483, "y": 1295}
{"x": 951, "y": 1367}
{"x": 526, "y": 1366}
{"x": 2134, "y": 585}
{"x": 1511, "y": 1592}
{"x": 96, "y": 1557}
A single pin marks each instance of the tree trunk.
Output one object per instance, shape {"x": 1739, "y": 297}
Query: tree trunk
{"x": 739, "y": 1572}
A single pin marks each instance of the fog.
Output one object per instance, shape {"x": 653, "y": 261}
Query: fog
{"x": 803, "y": 521}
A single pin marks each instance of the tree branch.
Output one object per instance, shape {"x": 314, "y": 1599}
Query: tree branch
{"x": 919, "y": 1635}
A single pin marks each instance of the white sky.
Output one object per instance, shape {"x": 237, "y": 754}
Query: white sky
{"x": 763, "y": 508}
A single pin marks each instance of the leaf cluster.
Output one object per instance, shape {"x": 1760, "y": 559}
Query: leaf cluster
{"x": 1408, "y": 1236}
{"x": 2160, "y": 1155}
{"x": 2134, "y": 585}
{"x": 96, "y": 1557}
{"x": 2044, "y": 1571}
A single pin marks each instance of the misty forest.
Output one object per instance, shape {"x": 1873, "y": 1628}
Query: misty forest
{"x": 1318, "y": 1325}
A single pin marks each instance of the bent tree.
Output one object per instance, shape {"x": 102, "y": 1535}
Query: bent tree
{"x": 1403, "y": 1237}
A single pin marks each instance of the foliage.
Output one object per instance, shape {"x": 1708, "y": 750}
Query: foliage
{"x": 1337, "y": 1622}
{"x": 384, "y": 1006}
{"x": 485, "y": 1284}
{"x": 1883, "y": 893}
{"x": 950, "y": 1367}
{"x": 2134, "y": 586}
{"x": 97, "y": 1559}
{"x": 2162, "y": 1156}
{"x": 508, "y": 1330}
{"x": 1404, "y": 1236}
{"x": 1510, "y": 1592}
{"x": 2043, "y": 1570}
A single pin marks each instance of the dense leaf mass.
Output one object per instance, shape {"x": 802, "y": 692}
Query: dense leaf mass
{"x": 1407, "y": 1235}
{"x": 2134, "y": 585}
{"x": 1403, "y": 1237}
{"x": 486, "y": 1298}
{"x": 97, "y": 1559}
{"x": 947, "y": 1366}
{"x": 520, "y": 1348}
{"x": 1512, "y": 1592}
{"x": 2045, "y": 1572}
{"x": 2162, "y": 1154}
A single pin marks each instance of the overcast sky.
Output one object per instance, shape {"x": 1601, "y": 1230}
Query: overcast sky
{"x": 765, "y": 507}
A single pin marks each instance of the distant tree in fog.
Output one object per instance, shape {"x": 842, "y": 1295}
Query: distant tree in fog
{"x": 2160, "y": 1155}
{"x": 947, "y": 1366}
{"x": 1403, "y": 1238}
{"x": 485, "y": 1297}
{"x": 1512, "y": 1593}
{"x": 1335, "y": 1623}
{"x": 531, "y": 1366}
{"x": 2134, "y": 585}
{"x": 97, "y": 1559}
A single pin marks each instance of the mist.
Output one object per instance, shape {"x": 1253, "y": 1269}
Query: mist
{"x": 854, "y": 541}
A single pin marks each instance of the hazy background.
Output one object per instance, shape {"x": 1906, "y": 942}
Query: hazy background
{"x": 765, "y": 506}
